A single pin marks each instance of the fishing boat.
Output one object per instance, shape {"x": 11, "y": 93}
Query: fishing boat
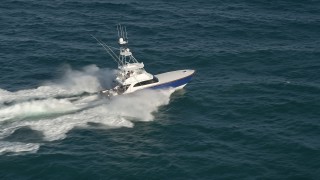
{"x": 132, "y": 76}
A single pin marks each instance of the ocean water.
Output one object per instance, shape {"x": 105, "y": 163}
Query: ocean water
{"x": 252, "y": 110}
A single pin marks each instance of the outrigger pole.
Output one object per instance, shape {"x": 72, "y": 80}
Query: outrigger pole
{"x": 108, "y": 50}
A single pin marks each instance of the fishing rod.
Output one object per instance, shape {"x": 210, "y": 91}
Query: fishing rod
{"x": 108, "y": 50}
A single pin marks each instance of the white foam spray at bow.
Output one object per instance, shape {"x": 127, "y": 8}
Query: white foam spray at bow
{"x": 54, "y": 118}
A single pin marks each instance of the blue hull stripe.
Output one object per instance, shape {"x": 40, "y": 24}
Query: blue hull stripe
{"x": 175, "y": 83}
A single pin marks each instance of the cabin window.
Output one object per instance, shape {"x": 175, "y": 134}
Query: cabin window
{"x": 154, "y": 80}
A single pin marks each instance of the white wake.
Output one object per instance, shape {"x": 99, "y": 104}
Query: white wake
{"x": 58, "y": 107}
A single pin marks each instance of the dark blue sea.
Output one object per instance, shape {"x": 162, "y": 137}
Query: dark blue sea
{"x": 252, "y": 110}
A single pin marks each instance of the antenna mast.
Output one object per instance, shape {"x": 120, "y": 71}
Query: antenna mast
{"x": 125, "y": 56}
{"x": 125, "y": 53}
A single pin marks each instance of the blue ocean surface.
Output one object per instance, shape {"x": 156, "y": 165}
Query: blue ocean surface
{"x": 252, "y": 110}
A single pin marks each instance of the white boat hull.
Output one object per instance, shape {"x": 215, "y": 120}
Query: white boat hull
{"x": 174, "y": 79}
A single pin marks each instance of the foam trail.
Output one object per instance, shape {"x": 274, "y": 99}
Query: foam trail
{"x": 18, "y": 147}
{"x": 90, "y": 79}
{"x": 37, "y": 108}
{"x": 120, "y": 111}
